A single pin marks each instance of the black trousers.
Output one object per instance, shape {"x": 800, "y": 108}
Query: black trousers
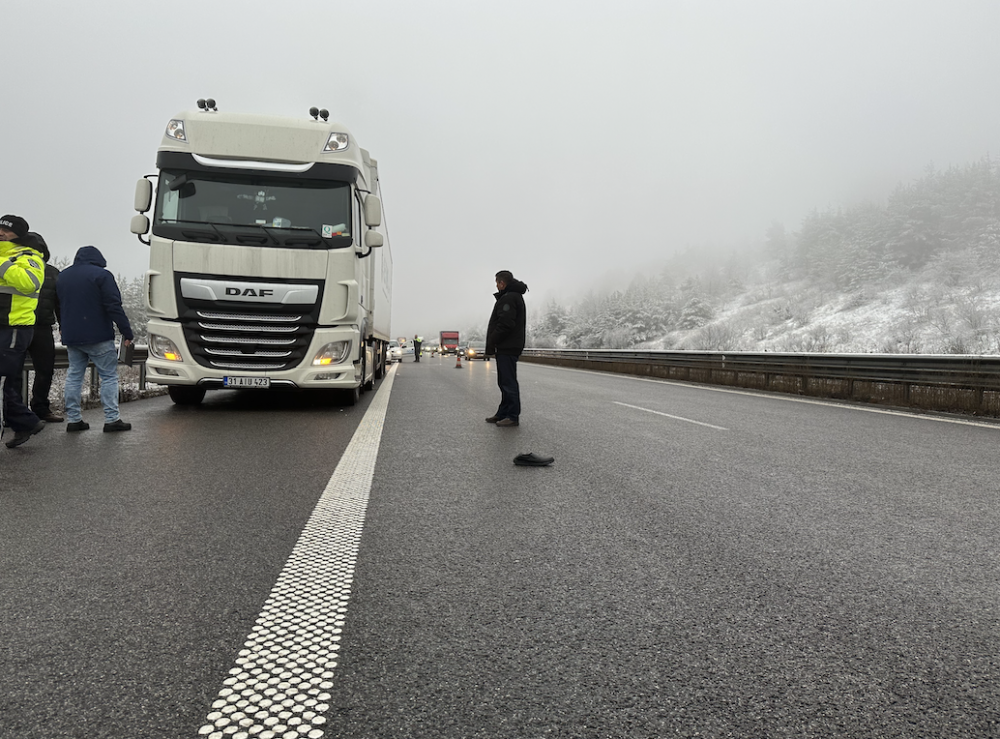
{"x": 14, "y": 343}
{"x": 42, "y": 351}
{"x": 510, "y": 391}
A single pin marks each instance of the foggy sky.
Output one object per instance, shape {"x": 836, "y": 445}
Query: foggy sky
{"x": 569, "y": 141}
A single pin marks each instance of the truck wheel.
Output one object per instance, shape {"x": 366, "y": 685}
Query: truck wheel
{"x": 186, "y": 394}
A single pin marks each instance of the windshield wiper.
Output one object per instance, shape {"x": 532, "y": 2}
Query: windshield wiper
{"x": 231, "y": 229}
{"x": 177, "y": 222}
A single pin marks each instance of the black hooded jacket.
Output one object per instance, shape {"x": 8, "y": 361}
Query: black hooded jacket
{"x": 506, "y": 331}
{"x": 47, "y": 311}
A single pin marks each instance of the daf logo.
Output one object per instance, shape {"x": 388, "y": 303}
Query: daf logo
{"x": 249, "y": 292}
{"x": 204, "y": 288}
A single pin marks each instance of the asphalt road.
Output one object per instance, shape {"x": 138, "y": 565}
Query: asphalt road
{"x": 697, "y": 562}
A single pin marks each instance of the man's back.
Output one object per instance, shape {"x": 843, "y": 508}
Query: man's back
{"x": 90, "y": 300}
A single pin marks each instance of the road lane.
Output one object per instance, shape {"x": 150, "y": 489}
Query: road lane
{"x": 280, "y": 682}
{"x": 134, "y": 564}
{"x": 814, "y": 571}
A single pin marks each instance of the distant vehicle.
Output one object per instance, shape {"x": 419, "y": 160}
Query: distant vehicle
{"x": 476, "y": 350}
{"x": 449, "y": 342}
{"x": 428, "y": 351}
{"x": 395, "y": 351}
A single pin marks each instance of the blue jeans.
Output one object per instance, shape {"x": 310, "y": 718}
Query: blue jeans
{"x": 105, "y": 359}
{"x": 510, "y": 391}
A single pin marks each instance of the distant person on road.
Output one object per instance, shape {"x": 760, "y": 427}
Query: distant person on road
{"x": 417, "y": 341}
{"x": 505, "y": 337}
{"x": 91, "y": 304}
{"x": 22, "y": 271}
{"x": 42, "y": 348}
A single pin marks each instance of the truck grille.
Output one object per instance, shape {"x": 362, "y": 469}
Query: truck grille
{"x": 254, "y": 337}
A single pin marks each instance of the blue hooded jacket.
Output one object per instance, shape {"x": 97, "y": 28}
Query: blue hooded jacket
{"x": 90, "y": 301}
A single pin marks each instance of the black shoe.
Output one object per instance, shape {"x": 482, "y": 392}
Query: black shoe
{"x": 22, "y": 436}
{"x": 118, "y": 425}
{"x": 77, "y": 426}
{"x": 532, "y": 460}
{"x": 50, "y": 417}
{"x": 508, "y": 422}
{"x": 493, "y": 419}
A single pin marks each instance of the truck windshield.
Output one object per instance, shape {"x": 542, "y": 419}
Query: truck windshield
{"x": 252, "y": 210}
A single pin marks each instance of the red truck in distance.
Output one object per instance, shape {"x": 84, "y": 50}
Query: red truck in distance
{"x": 449, "y": 342}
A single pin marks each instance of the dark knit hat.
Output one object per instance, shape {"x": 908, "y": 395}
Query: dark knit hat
{"x": 16, "y": 224}
{"x": 35, "y": 241}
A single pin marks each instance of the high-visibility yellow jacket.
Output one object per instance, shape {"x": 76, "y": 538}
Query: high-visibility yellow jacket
{"x": 22, "y": 272}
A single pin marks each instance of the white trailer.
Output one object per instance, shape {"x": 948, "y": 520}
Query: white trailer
{"x": 269, "y": 260}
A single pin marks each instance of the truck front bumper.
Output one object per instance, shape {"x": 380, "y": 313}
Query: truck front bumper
{"x": 185, "y": 371}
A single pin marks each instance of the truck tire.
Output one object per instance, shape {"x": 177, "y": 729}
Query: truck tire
{"x": 186, "y": 394}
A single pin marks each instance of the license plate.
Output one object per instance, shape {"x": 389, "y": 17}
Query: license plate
{"x": 254, "y": 382}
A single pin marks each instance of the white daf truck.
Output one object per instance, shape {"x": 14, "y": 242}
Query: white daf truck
{"x": 269, "y": 262}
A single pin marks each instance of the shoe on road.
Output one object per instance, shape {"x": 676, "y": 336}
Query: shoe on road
{"x": 532, "y": 460}
{"x": 118, "y": 425}
{"x": 52, "y": 418}
{"x": 493, "y": 419}
{"x": 77, "y": 426}
{"x": 22, "y": 436}
{"x": 508, "y": 422}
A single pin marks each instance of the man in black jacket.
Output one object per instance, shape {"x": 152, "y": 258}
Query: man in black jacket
{"x": 42, "y": 348}
{"x": 505, "y": 336}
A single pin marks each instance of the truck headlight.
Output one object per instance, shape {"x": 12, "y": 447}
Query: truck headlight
{"x": 333, "y": 353}
{"x": 163, "y": 348}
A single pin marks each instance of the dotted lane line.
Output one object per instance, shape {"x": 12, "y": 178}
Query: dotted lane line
{"x": 279, "y": 687}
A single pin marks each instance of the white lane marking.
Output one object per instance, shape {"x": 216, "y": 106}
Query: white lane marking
{"x": 279, "y": 685}
{"x": 844, "y": 405}
{"x": 676, "y": 418}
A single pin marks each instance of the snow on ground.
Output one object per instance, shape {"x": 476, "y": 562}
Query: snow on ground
{"x": 900, "y": 316}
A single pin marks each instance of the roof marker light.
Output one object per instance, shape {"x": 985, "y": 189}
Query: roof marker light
{"x": 175, "y": 130}
{"x": 337, "y": 142}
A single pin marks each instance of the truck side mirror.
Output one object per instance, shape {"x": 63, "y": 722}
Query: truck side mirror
{"x": 139, "y": 225}
{"x": 143, "y": 196}
{"x": 373, "y": 239}
{"x": 373, "y": 211}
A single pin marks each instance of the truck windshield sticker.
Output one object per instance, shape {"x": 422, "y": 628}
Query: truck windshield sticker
{"x": 260, "y": 199}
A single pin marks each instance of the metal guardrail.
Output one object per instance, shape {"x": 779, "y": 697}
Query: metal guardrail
{"x": 139, "y": 356}
{"x": 968, "y": 384}
{"x": 953, "y": 383}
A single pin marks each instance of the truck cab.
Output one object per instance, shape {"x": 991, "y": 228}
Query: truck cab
{"x": 269, "y": 260}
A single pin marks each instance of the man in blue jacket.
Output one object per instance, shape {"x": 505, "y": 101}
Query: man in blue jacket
{"x": 90, "y": 303}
